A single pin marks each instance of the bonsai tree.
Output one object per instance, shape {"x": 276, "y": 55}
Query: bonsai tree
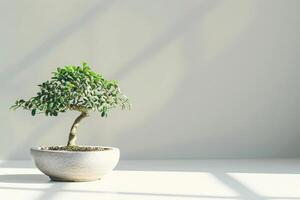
{"x": 75, "y": 88}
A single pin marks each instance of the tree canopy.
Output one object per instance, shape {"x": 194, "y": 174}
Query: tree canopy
{"x": 75, "y": 88}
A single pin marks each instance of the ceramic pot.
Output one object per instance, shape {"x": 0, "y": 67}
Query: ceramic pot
{"x": 75, "y": 165}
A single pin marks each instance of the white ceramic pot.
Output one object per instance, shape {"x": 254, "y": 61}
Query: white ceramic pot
{"x": 75, "y": 165}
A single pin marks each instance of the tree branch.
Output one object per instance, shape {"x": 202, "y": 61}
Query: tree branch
{"x": 72, "y": 134}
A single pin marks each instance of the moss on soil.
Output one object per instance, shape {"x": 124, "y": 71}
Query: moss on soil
{"x": 74, "y": 148}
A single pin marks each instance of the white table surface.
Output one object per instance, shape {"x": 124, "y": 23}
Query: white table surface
{"x": 161, "y": 180}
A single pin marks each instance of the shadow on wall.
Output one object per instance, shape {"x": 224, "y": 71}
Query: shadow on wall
{"x": 193, "y": 14}
{"x": 49, "y": 45}
{"x": 185, "y": 116}
{"x": 180, "y": 29}
{"x": 169, "y": 36}
{"x": 222, "y": 116}
{"x": 41, "y": 51}
{"x": 177, "y": 30}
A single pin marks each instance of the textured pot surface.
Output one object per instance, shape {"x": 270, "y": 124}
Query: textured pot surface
{"x": 75, "y": 165}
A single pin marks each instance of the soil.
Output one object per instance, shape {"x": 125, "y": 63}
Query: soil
{"x": 74, "y": 148}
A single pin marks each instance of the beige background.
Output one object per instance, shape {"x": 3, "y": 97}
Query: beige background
{"x": 207, "y": 79}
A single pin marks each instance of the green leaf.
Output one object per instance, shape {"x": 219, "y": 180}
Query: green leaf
{"x": 21, "y": 101}
{"x": 33, "y": 111}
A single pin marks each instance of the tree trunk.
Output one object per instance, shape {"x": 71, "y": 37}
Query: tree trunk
{"x": 72, "y": 134}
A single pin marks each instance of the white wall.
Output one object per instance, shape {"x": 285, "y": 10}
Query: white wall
{"x": 207, "y": 79}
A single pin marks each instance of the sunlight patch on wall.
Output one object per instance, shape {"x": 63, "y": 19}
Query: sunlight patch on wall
{"x": 223, "y": 24}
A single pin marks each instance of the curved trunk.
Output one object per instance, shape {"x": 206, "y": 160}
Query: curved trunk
{"x": 72, "y": 134}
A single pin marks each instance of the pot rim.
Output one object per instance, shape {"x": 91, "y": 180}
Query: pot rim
{"x": 39, "y": 149}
